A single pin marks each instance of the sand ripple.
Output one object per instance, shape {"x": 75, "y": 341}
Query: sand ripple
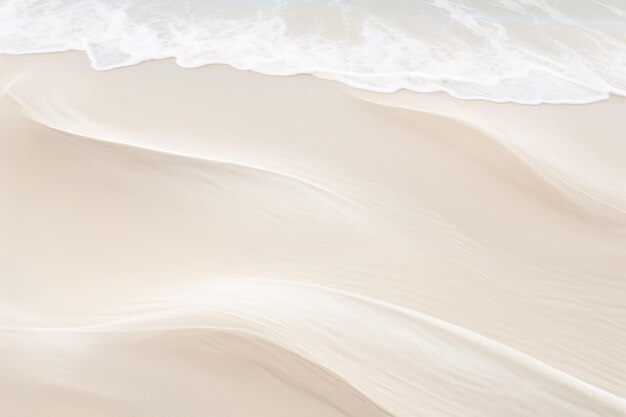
{"x": 217, "y": 242}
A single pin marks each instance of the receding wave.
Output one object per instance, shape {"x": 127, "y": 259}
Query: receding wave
{"x": 500, "y": 50}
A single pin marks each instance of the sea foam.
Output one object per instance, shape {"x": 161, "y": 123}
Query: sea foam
{"x": 526, "y": 51}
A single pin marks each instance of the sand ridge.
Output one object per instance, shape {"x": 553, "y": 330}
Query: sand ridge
{"x": 352, "y": 253}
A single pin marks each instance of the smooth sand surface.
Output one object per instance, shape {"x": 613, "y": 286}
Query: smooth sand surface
{"x": 178, "y": 242}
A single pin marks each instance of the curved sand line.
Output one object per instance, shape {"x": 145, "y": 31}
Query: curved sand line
{"x": 444, "y": 222}
{"x": 259, "y": 307}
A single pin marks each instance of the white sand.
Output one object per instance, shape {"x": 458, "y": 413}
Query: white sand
{"x": 214, "y": 242}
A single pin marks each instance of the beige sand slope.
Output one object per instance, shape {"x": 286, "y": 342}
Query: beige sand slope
{"x": 213, "y": 242}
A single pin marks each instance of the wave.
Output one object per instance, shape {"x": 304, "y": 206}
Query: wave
{"x": 500, "y": 50}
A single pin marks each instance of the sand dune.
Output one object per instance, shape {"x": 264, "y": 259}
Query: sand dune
{"x": 220, "y": 242}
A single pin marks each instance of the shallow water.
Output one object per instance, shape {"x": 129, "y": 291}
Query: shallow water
{"x": 531, "y": 51}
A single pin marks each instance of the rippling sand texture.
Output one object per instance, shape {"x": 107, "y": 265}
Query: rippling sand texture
{"x": 216, "y": 242}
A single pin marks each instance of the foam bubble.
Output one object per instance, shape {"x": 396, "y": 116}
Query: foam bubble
{"x": 535, "y": 51}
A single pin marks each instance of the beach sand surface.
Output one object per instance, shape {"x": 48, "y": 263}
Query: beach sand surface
{"x": 210, "y": 241}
